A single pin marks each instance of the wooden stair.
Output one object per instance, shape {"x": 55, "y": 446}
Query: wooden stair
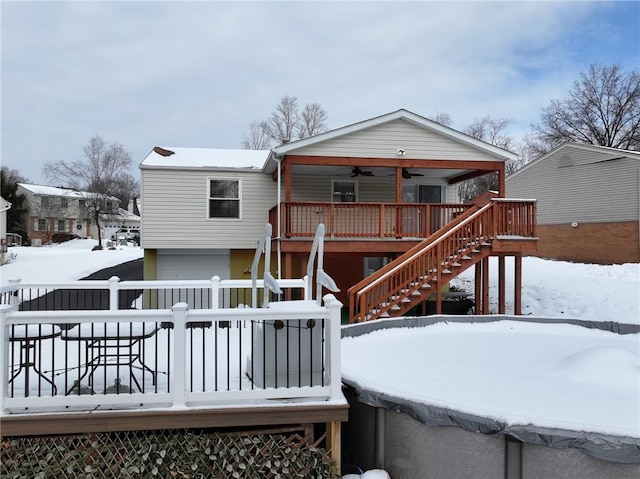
{"x": 421, "y": 272}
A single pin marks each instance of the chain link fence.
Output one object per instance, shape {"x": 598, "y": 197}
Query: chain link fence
{"x": 167, "y": 454}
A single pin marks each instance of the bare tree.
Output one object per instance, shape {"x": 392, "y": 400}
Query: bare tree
{"x": 601, "y": 108}
{"x": 103, "y": 173}
{"x": 311, "y": 120}
{"x": 258, "y": 137}
{"x": 442, "y": 118}
{"x": 285, "y": 124}
{"x": 492, "y": 131}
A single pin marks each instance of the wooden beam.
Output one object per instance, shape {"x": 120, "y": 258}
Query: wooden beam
{"x": 478, "y": 286}
{"x": 467, "y": 176}
{"x": 145, "y": 420}
{"x": 502, "y": 302}
{"x": 399, "y": 185}
{"x": 287, "y": 181}
{"x": 486, "y": 166}
{"x": 502, "y": 187}
{"x": 517, "y": 300}
{"x": 485, "y": 285}
{"x": 334, "y": 444}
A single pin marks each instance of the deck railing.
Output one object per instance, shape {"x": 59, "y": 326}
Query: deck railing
{"x": 364, "y": 220}
{"x": 167, "y": 356}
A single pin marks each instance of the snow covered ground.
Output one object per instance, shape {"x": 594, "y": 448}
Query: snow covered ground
{"x": 554, "y": 289}
{"x": 549, "y": 375}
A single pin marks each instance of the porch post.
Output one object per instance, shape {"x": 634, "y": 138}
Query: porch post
{"x": 501, "y": 182}
{"x": 287, "y": 181}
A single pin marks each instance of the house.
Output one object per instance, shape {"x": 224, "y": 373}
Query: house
{"x": 53, "y": 210}
{"x": 4, "y": 207}
{"x": 588, "y": 202}
{"x": 381, "y": 187}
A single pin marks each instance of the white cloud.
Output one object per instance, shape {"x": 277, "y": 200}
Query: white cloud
{"x": 196, "y": 73}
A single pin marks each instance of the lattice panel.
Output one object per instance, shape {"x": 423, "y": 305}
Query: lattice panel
{"x": 163, "y": 454}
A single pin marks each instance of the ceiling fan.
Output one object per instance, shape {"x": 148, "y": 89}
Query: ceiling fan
{"x": 406, "y": 174}
{"x": 358, "y": 172}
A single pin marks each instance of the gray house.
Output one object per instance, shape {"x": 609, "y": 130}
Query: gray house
{"x": 588, "y": 202}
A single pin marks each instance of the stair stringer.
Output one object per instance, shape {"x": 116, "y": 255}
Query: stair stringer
{"x": 409, "y": 280}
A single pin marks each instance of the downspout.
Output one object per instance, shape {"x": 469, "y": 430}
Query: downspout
{"x": 278, "y": 202}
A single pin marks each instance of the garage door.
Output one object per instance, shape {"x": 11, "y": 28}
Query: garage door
{"x": 189, "y": 265}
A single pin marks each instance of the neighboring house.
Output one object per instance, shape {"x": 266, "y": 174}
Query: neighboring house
{"x": 588, "y": 202}
{"x": 380, "y": 186}
{"x": 53, "y": 210}
{"x": 4, "y": 207}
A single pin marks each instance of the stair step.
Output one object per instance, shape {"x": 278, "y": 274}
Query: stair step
{"x": 466, "y": 257}
{"x": 426, "y": 286}
{"x": 446, "y": 271}
{"x": 456, "y": 264}
{"x": 395, "y": 307}
{"x": 415, "y": 292}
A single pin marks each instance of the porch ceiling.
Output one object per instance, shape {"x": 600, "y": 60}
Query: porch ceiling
{"x": 347, "y": 171}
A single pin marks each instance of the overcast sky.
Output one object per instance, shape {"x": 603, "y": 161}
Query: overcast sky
{"x": 195, "y": 74}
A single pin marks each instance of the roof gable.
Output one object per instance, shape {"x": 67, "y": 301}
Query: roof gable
{"x": 402, "y": 115}
{"x": 564, "y": 151}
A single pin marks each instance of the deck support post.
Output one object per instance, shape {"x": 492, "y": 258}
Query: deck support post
{"x": 502, "y": 302}
{"x": 517, "y": 293}
{"x": 478, "y": 286}
{"x": 334, "y": 444}
{"x": 485, "y": 285}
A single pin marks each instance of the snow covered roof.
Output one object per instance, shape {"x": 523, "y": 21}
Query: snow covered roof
{"x": 210, "y": 158}
{"x": 53, "y": 191}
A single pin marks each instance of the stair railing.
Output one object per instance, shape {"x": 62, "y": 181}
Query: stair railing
{"x": 425, "y": 263}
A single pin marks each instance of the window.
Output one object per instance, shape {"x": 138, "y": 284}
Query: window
{"x": 344, "y": 191}
{"x": 41, "y": 224}
{"x": 109, "y": 206}
{"x": 61, "y": 225}
{"x": 224, "y": 198}
{"x": 45, "y": 202}
{"x": 82, "y": 204}
{"x": 64, "y": 203}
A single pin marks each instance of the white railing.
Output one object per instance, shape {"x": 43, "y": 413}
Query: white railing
{"x": 289, "y": 349}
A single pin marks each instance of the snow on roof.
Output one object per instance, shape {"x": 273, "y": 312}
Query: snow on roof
{"x": 205, "y": 158}
{"x": 53, "y": 191}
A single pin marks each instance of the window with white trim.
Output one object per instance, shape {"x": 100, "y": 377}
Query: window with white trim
{"x": 40, "y": 224}
{"x": 61, "y": 225}
{"x": 224, "y": 198}
{"x": 344, "y": 191}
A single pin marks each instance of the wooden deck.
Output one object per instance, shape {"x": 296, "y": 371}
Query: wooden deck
{"x": 39, "y": 424}
{"x": 178, "y": 368}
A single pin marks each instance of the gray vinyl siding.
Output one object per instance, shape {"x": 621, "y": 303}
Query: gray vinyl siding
{"x": 383, "y": 141}
{"x": 589, "y": 191}
{"x": 175, "y": 210}
{"x": 370, "y": 189}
